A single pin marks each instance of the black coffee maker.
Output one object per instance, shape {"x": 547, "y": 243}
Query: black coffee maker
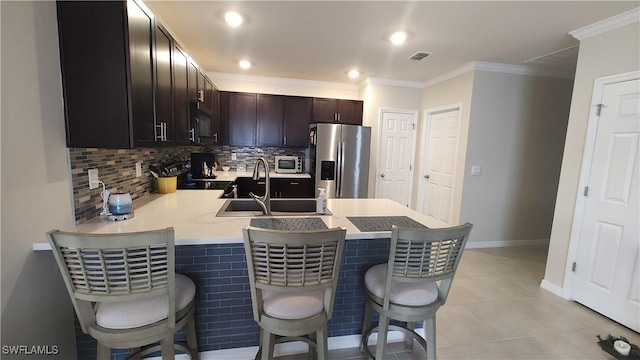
{"x": 203, "y": 165}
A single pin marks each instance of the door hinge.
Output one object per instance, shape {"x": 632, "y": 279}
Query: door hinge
{"x": 586, "y": 191}
{"x": 413, "y": 126}
{"x": 410, "y": 168}
{"x": 573, "y": 267}
{"x": 599, "y": 106}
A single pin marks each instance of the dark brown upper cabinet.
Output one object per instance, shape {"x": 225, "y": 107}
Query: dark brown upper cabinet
{"x": 242, "y": 119}
{"x": 164, "y": 88}
{"x": 297, "y": 117}
{"x": 181, "y": 122}
{"x": 269, "y": 120}
{"x": 107, "y": 61}
{"x": 337, "y": 111}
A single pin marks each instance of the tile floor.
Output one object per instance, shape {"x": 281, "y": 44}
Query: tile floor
{"x": 497, "y": 310}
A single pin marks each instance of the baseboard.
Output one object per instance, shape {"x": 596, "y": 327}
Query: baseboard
{"x": 338, "y": 342}
{"x": 552, "y": 288}
{"x": 506, "y": 243}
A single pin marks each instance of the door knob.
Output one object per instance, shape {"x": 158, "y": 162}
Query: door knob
{"x": 382, "y": 175}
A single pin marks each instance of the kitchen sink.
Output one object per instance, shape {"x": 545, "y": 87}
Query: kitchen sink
{"x": 279, "y": 207}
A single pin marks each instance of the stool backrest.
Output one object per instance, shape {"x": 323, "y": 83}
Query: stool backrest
{"x": 417, "y": 255}
{"x": 293, "y": 261}
{"x": 115, "y": 267}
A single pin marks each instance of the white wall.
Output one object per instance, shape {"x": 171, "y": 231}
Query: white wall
{"x": 278, "y": 86}
{"x": 516, "y": 134}
{"x": 380, "y": 96}
{"x": 610, "y": 53}
{"x": 36, "y": 183}
{"x": 457, "y": 90}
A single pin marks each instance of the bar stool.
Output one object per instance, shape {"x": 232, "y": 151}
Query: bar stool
{"x": 406, "y": 288}
{"x": 139, "y": 299}
{"x": 293, "y": 277}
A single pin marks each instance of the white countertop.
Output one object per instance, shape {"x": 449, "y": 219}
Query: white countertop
{"x": 193, "y": 216}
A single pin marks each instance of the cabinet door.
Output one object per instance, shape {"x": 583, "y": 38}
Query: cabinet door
{"x": 298, "y": 114}
{"x": 141, "y": 31}
{"x": 224, "y": 118}
{"x": 269, "y": 120}
{"x": 325, "y": 110}
{"x": 291, "y": 188}
{"x": 242, "y": 119}
{"x": 94, "y": 75}
{"x": 202, "y": 81}
{"x": 164, "y": 87}
{"x": 215, "y": 119}
{"x": 180, "y": 97}
{"x": 192, "y": 82}
{"x": 350, "y": 112}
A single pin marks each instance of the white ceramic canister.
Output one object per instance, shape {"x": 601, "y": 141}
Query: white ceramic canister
{"x": 120, "y": 203}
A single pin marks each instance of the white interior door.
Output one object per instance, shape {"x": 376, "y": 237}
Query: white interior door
{"x": 438, "y": 168}
{"x": 607, "y": 266}
{"x": 395, "y": 162}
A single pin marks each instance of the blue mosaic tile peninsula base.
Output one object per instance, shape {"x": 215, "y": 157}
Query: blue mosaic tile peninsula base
{"x": 224, "y": 319}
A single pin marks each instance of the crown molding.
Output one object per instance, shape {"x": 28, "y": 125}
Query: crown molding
{"x": 391, "y": 82}
{"x": 612, "y": 23}
{"x": 499, "y": 68}
{"x": 281, "y": 81}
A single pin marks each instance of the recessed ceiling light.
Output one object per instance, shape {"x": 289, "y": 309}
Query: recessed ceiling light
{"x": 354, "y": 74}
{"x": 398, "y": 37}
{"x": 233, "y": 18}
{"x": 245, "y": 64}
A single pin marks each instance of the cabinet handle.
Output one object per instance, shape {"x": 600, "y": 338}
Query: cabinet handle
{"x": 192, "y": 135}
{"x": 335, "y": 117}
{"x": 294, "y": 183}
{"x": 338, "y": 117}
{"x": 201, "y": 95}
{"x": 285, "y": 141}
{"x": 164, "y": 136}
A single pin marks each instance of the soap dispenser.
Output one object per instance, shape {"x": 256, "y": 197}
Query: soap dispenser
{"x": 321, "y": 202}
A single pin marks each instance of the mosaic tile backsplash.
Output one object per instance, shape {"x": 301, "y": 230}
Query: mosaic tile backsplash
{"x": 116, "y": 168}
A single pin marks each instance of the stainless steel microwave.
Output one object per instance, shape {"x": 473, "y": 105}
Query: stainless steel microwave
{"x": 200, "y": 131}
{"x": 288, "y": 164}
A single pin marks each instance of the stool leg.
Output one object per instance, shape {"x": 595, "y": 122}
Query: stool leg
{"x": 268, "y": 341}
{"x": 104, "y": 353}
{"x": 366, "y": 323}
{"x": 192, "y": 339}
{"x": 383, "y": 327}
{"x": 430, "y": 335}
{"x": 321, "y": 343}
{"x": 167, "y": 349}
{"x": 408, "y": 340}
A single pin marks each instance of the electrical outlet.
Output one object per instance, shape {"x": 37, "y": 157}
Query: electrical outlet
{"x": 93, "y": 179}
{"x": 138, "y": 169}
{"x": 233, "y": 156}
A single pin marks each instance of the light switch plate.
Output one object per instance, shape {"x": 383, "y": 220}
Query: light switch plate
{"x": 93, "y": 179}
{"x": 476, "y": 170}
{"x": 138, "y": 169}
{"x": 233, "y": 156}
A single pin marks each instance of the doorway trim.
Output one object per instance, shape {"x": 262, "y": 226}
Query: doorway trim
{"x": 585, "y": 172}
{"x": 413, "y": 113}
{"x": 426, "y": 123}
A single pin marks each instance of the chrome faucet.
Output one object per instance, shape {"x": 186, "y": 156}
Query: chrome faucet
{"x": 263, "y": 201}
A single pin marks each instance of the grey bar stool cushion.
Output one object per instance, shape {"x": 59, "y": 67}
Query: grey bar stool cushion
{"x": 412, "y": 294}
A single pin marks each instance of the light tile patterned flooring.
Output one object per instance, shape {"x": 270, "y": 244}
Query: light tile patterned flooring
{"x": 497, "y": 310}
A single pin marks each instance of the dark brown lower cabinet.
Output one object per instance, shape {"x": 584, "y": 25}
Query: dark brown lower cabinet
{"x": 291, "y": 188}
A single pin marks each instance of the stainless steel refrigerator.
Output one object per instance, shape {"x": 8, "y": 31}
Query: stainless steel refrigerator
{"x": 338, "y": 158}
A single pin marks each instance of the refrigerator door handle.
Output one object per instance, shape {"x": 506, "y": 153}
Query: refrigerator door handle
{"x": 340, "y": 169}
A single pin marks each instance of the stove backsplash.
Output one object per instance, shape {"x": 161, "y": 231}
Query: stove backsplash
{"x": 116, "y": 168}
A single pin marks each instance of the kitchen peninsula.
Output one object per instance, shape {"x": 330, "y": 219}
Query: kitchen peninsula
{"x": 210, "y": 251}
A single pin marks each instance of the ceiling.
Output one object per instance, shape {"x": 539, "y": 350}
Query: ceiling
{"x": 323, "y": 40}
